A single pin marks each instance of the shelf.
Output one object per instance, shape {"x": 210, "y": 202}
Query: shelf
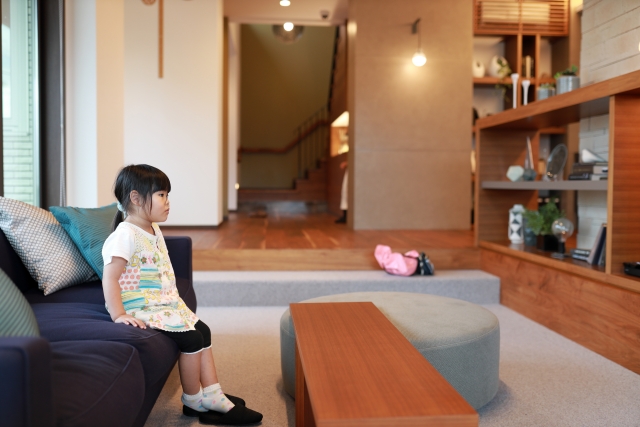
{"x": 546, "y": 185}
{"x": 507, "y": 80}
{"x": 569, "y": 265}
{"x": 566, "y": 108}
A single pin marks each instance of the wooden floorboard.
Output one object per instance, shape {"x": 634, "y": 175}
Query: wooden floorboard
{"x": 284, "y": 240}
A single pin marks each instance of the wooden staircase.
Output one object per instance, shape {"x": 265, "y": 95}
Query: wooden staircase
{"x": 313, "y": 188}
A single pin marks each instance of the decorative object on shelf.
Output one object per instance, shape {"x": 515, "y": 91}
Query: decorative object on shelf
{"x": 529, "y": 172}
{"x": 588, "y": 156}
{"x": 499, "y": 67}
{"x": 477, "y": 69}
{"x": 514, "y": 173}
{"x": 562, "y": 228}
{"x": 514, "y": 81}
{"x": 567, "y": 80}
{"x": 418, "y": 59}
{"x": 539, "y": 223}
{"x": 556, "y": 162}
{"x": 546, "y": 90}
{"x": 527, "y": 67}
{"x": 525, "y": 91}
{"x": 516, "y": 224}
{"x": 530, "y": 238}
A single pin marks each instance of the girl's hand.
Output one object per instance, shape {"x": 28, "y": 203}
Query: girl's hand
{"x": 130, "y": 320}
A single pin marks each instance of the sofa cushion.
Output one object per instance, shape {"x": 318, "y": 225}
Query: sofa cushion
{"x": 82, "y": 321}
{"x": 16, "y": 316}
{"x": 96, "y": 383}
{"x": 90, "y": 292}
{"x": 43, "y": 246}
{"x": 88, "y": 228}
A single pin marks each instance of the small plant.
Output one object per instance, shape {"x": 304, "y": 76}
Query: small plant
{"x": 540, "y": 221}
{"x": 571, "y": 71}
{"x": 504, "y": 88}
{"x": 547, "y": 86}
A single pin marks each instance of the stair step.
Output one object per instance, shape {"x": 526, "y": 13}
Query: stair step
{"x": 279, "y": 288}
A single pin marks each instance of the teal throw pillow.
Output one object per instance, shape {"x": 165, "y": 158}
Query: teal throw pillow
{"x": 88, "y": 229}
{"x": 16, "y": 317}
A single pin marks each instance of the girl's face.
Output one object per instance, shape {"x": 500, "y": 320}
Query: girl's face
{"x": 159, "y": 211}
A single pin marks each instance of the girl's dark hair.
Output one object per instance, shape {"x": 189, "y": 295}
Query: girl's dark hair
{"x": 144, "y": 179}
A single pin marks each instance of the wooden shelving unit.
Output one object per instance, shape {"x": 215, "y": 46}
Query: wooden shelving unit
{"x": 499, "y": 143}
{"x": 546, "y": 185}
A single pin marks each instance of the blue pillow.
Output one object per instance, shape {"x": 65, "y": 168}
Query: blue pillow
{"x": 88, "y": 229}
{"x": 16, "y": 316}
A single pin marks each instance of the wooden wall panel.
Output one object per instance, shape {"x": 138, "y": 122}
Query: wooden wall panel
{"x": 623, "y": 227}
{"x": 601, "y": 317}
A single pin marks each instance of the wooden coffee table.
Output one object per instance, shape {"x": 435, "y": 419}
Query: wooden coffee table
{"x": 354, "y": 368}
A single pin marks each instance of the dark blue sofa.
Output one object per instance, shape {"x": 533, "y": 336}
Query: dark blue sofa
{"x": 84, "y": 370}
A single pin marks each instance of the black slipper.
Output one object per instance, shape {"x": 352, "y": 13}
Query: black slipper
{"x": 189, "y": 412}
{"x": 237, "y": 416}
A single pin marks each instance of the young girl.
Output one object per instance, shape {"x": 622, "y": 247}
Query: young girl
{"x": 140, "y": 290}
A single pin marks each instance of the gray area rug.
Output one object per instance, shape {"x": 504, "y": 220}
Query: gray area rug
{"x": 546, "y": 379}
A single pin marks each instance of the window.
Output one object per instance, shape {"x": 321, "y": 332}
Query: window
{"x": 20, "y": 133}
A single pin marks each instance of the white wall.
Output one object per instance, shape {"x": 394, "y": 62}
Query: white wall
{"x": 94, "y": 98}
{"x": 175, "y": 123}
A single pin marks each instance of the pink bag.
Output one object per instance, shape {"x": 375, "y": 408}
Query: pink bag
{"x": 395, "y": 263}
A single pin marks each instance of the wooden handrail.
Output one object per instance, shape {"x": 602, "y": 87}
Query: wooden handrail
{"x": 297, "y": 140}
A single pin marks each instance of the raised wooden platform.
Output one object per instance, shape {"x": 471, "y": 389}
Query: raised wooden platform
{"x": 295, "y": 236}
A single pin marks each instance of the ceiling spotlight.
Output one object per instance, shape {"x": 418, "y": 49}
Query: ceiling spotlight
{"x": 285, "y": 3}
{"x": 288, "y": 26}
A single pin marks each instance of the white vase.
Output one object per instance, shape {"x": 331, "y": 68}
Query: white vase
{"x": 516, "y": 224}
{"x": 495, "y": 69}
{"x": 477, "y": 69}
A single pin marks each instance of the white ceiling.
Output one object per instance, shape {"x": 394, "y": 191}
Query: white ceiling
{"x": 300, "y": 12}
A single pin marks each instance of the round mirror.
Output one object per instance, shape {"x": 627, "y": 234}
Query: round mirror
{"x": 556, "y": 162}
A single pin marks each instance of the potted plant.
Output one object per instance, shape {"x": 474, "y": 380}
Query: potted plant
{"x": 546, "y": 90}
{"x": 538, "y": 223}
{"x": 567, "y": 80}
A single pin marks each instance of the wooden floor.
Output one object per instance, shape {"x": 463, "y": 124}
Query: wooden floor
{"x": 296, "y": 236}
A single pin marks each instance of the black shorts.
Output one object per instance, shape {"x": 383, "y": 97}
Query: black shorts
{"x": 191, "y": 342}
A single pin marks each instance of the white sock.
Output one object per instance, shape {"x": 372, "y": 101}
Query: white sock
{"x": 214, "y": 399}
{"x": 194, "y": 401}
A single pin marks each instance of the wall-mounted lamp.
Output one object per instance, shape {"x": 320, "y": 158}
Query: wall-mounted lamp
{"x": 288, "y": 26}
{"x": 418, "y": 58}
{"x": 285, "y": 3}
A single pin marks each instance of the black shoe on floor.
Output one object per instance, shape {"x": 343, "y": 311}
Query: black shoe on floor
{"x": 237, "y": 416}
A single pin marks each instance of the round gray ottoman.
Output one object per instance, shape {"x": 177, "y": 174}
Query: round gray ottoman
{"x": 460, "y": 339}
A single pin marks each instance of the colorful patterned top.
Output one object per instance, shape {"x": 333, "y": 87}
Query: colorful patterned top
{"x": 148, "y": 283}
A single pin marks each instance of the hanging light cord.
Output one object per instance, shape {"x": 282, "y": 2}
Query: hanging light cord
{"x": 415, "y": 28}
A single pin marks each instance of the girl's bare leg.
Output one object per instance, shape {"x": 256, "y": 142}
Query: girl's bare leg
{"x": 189, "y": 366}
{"x": 208, "y": 375}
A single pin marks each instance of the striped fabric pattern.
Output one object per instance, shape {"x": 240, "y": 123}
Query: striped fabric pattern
{"x": 88, "y": 228}
{"x": 43, "y": 246}
{"x": 16, "y": 317}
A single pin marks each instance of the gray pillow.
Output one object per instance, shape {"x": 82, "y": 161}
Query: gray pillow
{"x": 16, "y": 317}
{"x": 43, "y": 246}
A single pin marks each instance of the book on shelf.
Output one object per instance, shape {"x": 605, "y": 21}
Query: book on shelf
{"x": 576, "y": 252}
{"x": 598, "y": 246}
{"x": 586, "y": 176}
{"x": 579, "y": 176}
{"x": 590, "y": 168}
